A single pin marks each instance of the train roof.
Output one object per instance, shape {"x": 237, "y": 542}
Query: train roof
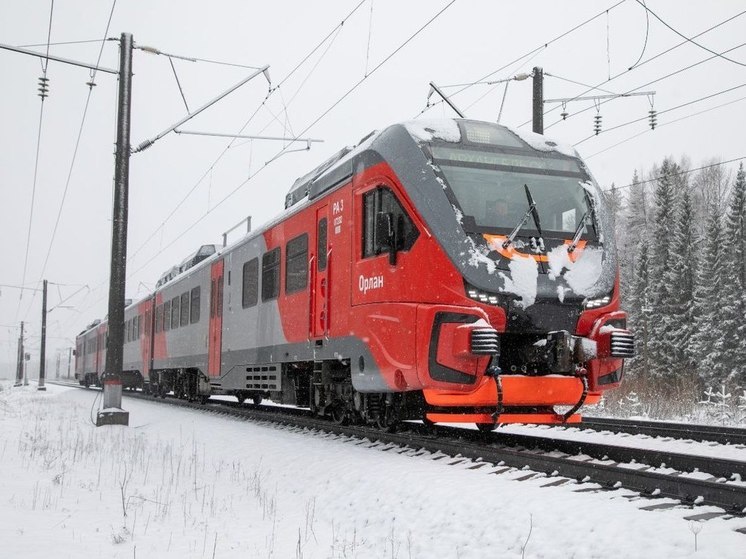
{"x": 340, "y": 166}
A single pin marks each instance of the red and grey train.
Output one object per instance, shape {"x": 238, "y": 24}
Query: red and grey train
{"x": 450, "y": 271}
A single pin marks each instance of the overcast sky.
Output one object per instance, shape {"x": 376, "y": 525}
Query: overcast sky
{"x": 470, "y": 40}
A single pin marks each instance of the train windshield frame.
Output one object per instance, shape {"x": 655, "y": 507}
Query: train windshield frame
{"x": 485, "y": 185}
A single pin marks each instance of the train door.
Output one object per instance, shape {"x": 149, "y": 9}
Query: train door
{"x": 96, "y": 356}
{"x": 215, "y": 336}
{"x": 146, "y": 344}
{"x": 320, "y": 275}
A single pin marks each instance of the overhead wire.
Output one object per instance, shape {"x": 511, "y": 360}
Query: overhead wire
{"x": 647, "y": 34}
{"x": 306, "y": 129}
{"x": 661, "y": 125}
{"x": 671, "y": 74}
{"x": 334, "y": 31}
{"x": 42, "y": 94}
{"x": 638, "y": 65}
{"x": 526, "y": 55}
{"x": 499, "y": 83}
{"x": 690, "y": 40}
{"x": 60, "y": 43}
{"x": 700, "y": 99}
{"x": 590, "y": 87}
{"x": 91, "y": 85}
{"x": 178, "y": 83}
{"x": 370, "y": 33}
{"x": 248, "y": 121}
{"x": 688, "y": 171}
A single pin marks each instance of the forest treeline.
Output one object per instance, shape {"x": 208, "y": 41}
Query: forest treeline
{"x": 681, "y": 243}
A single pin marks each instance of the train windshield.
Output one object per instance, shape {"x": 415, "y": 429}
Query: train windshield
{"x": 487, "y": 187}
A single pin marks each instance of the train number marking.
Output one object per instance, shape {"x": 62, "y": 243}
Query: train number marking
{"x": 367, "y": 284}
{"x": 337, "y": 208}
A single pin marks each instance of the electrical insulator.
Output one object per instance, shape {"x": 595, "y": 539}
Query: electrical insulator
{"x": 564, "y": 114}
{"x": 653, "y": 116}
{"x": 43, "y": 87}
{"x": 597, "y": 124}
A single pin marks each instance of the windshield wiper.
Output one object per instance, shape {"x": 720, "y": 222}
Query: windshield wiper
{"x": 530, "y": 212}
{"x": 578, "y": 232}
{"x": 590, "y": 212}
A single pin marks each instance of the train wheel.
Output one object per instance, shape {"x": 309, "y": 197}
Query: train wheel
{"x": 257, "y": 399}
{"x": 340, "y": 415}
{"x": 203, "y": 399}
{"x": 486, "y": 427}
{"x": 241, "y": 397}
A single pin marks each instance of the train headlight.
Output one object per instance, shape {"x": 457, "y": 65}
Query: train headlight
{"x": 481, "y": 296}
{"x": 596, "y": 303}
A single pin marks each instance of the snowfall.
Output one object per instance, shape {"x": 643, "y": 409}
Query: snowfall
{"x": 187, "y": 483}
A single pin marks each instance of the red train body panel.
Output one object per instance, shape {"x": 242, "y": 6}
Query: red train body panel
{"x": 390, "y": 289}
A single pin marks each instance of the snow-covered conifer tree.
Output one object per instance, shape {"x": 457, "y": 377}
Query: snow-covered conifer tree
{"x": 681, "y": 278}
{"x": 708, "y": 338}
{"x": 733, "y": 283}
{"x": 638, "y": 308}
{"x": 661, "y": 343}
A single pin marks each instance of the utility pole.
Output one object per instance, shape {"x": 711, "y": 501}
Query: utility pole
{"x": 113, "y": 414}
{"x": 19, "y": 367}
{"x": 42, "y": 352}
{"x": 538, "y": 111}
{"x": 57, "y": 368}
{"x": 69, "y": 359}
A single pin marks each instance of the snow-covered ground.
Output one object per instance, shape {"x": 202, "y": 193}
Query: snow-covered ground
{"x": 184, "y": 483}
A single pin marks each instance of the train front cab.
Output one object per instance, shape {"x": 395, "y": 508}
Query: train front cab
{"x": 418, "y": 272}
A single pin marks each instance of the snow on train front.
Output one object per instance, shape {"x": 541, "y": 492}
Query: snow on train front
{"x": 525, "y": 224}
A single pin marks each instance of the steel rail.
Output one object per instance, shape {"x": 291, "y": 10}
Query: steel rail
{"x": 487, "y": 447}
{"x": 654, "y": 458}
{"x": 695, "y": 432}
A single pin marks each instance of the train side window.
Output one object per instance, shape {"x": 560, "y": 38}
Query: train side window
{"x": 383, "y": 200}
{"x": 194, "y": 308}
{"x": 166, "y": 316}
{"x": 321, "y": 246}
{"x": 271, "y": 274}
{"x": 250, "y": 283}
{"x": 296, "y": 264}
{"x": 184, "y": 308}
{"x": 175, "y": 313}
{"x": 128, "y": 331}
{"x": 159, "y": 319}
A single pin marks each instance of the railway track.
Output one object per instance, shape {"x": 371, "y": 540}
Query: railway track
{"x": 695, "y": 432}
{"x": 688, "y": 479}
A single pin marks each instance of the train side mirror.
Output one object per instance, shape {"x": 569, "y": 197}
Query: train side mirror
{"x": 75, "y": 352}
{"x": 386, "y": 235}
